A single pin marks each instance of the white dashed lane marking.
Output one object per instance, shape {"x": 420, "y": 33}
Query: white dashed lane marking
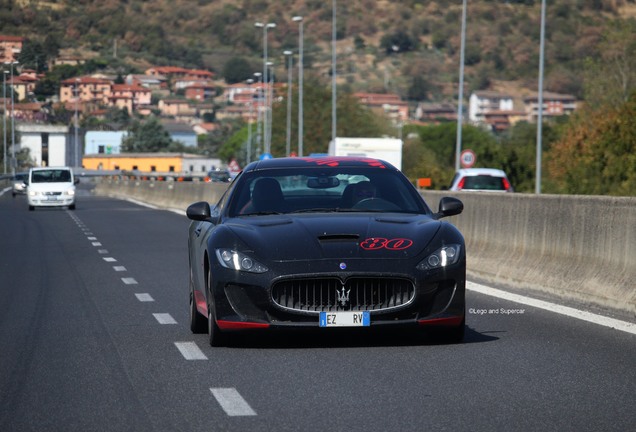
{"x": 119, "y": 268}
{"x": 232, "y": 402}
{"x": 190, "y": 351}
{"x": 164, "y": 318}
{"x": 129, "y": 281}
{"x": 144, "y": 297}
{"x": 110, "y": 259}
{"x": 96, "y": 244}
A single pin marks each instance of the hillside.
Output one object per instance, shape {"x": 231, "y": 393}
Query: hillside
{"x": 410, "y": 47}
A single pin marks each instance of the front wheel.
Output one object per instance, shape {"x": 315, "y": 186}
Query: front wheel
{"x": 215, "y": 336}
{"x": 197, "y": 321}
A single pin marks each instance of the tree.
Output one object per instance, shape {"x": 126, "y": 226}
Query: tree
{"x": 33, "y": 56}
{"x": 237, "y": 69}
{"x": 597, "y": 153}
{"x": 146, "y": 137}
{"x": 611, "y": 78}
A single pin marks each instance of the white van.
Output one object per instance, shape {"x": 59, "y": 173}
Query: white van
{"x": 51, "y": 187}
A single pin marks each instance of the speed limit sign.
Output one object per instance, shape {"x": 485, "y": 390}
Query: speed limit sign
{"x": 467, "y": 158}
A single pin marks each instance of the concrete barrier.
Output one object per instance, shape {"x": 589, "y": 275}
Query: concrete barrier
{"x": 581, "y": 249}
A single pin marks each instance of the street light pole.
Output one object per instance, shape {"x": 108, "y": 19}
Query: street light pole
{"x": 537, "y": 187}
{"x": 299, "y": 20}
{"x": 4, "y": 126}
{"x": 258, "y": 76}
{"x": 248, "y": 158}
{"x": 13, "y": 161}
{"x": 77, "y": 157}
{"x": 333, "y": 73}
{"x": 270, "y": 99}
{"x": 290, "y": 61}
{"x": 460, "y": 101}
{"x": 265, "y": 26}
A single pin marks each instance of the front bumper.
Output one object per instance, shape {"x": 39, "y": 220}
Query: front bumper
{"x": 58, "y": 201}
{"x": 437, "y": 297}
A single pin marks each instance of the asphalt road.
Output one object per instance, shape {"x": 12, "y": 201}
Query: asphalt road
{"x": 94, "y": 336}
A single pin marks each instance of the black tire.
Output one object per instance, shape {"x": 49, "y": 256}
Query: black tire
{"x": 71, "y": 207}
{"x": 31, "y": 208}
{"x": 456, "y": 335}
{"x": 198, "y": 322}
{"x": 215, "y": 336}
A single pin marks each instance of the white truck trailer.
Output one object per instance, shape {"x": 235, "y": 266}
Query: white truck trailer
{"x": 387, "y": 149}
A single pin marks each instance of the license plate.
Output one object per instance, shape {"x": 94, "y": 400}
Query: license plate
{"x": 51, "y": 198}
{"x": 345, "y": 319}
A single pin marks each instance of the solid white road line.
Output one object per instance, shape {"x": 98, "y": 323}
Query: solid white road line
{"x": 190, "y": 351}
{"x": 129, "y": 281}
{"x": 164, "y": 318}
{"x": 232, "y": 402}
{"x": 144, "y": 297}
{"x": 563, "y": 310}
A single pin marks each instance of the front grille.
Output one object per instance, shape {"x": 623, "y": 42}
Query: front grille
{"x": 52, "y": 193}
{"x": 330, "y": 294}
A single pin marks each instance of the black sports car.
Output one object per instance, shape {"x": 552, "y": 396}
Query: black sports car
{"x": 321, "y": 243}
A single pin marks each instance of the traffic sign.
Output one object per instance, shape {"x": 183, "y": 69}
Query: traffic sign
{"x": 467, "y": 158}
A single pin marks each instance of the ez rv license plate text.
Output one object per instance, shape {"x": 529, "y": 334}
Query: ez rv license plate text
{"x": 345, "y": 319}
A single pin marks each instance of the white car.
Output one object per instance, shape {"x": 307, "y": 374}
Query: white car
{"x": 51, "y": 187}
{"x": 481, "y": 179}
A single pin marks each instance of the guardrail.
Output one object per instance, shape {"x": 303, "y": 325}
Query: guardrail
{"x": 581, "y": 249}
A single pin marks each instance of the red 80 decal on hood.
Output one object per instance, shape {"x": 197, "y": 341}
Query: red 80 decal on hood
{"x": 377, "y": 243}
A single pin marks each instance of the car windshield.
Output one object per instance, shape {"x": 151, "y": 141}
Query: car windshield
{"x": 484, "y": 182}
{"x": 332, "y": 189}
{"x": 51, "y": 176}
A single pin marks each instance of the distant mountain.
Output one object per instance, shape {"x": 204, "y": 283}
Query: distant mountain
{"x": 410, "y": 47}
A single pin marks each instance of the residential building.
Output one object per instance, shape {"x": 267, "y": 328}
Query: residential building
{"x": 429, "y": 112}
{"x": 180, "y": 132}
{"x": 387, "y": 104}
{"x": 152, "y": 82}
{"x": 554, "y": 105}
{"x": 483, "y": 101}
{"x": 10, "y": 48}
{"x": 88, "y": 89}
{"x": 175, "y": 108}
{"x": 129, "y": 96}
{"x": 200, "y": 92}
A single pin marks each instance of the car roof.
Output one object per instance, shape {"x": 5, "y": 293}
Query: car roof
{"x": 49, "y": 168}
{"x": 481, "y": 171}
{"x": 324, "y": 161}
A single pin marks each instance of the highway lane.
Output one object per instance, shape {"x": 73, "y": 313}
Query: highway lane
{"x": 94, "y": 336}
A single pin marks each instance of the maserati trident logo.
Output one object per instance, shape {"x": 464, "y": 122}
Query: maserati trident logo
{"x": 343, "y": 296}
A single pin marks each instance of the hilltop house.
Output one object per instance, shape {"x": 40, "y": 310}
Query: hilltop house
{"x": 10, "y": 48}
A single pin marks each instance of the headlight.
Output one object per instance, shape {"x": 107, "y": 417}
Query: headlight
{"x": 33, "y": 193}
{"x": 70, "y": 192}
{"x": 239, "y": 261}
{"x": 442, "y": 257}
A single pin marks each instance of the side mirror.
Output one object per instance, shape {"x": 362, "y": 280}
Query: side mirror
{"x": 76, "y": 180}
{"x": 449, "y": 206}
{"x": 199, "y": 211}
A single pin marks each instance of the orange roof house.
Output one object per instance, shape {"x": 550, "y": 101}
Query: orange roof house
{"x": 10, "y": 48}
